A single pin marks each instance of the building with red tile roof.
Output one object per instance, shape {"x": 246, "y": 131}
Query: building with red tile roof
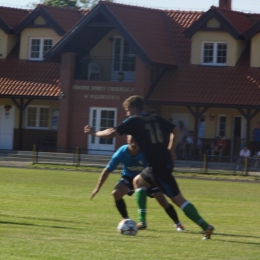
{"x": 187, "y": 65}
{"x": 10, "y": 17}
{"x": 57, "y": 18}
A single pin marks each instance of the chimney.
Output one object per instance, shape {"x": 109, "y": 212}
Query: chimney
{"x": 225, "y": 4}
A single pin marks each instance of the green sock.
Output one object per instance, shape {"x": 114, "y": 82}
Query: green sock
{"x": 192, "y": 213}
{"x": 140, "y": 195}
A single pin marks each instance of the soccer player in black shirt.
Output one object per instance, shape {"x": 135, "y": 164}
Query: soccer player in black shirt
{"x": 153, "y": 134}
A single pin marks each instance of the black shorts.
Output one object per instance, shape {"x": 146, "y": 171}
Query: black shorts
{"x": 163, "y": 179}
{"x": 128, "y": 182}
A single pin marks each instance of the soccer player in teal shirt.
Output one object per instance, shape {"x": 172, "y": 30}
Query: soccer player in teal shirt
{"x": 153, "y": 134}
{"x": 133, "y": 162}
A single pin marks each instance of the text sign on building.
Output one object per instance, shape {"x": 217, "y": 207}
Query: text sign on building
{"x": 103, "y": 88}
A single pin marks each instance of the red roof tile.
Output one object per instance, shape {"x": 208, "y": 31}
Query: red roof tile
{"x": 12, "y": 16}
{"x": 65, "y": 17}
{"x": 238, "y": 19}
{"x": 254, "y": 18}
{"x": 23, "y": 78}
{"x": 238, "y": 85}
{"x": 148, "y": 28}
{"x": 207, "y": 85}
{"x": 178, "y": 21}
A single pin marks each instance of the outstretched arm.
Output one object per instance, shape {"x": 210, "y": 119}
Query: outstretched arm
{"x": 107, "y": 133}
{"x": 102, "y": 178}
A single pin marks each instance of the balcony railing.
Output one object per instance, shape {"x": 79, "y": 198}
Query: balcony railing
{"x": 105, "y": 69}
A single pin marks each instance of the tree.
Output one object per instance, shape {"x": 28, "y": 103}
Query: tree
{"x": 68, "y": 3}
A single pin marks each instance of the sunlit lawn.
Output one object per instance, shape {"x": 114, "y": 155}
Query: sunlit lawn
{"x": 46, "y": 214}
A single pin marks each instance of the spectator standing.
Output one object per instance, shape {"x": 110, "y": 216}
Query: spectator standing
{"x": 189, "y": 148}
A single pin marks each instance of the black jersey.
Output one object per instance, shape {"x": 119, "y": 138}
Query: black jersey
{"x": 151, "y": 133}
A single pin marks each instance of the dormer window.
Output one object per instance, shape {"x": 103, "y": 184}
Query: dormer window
{"x": 38, "y": 47}
{"x": 214, "y": 53}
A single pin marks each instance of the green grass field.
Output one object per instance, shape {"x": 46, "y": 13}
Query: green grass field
{"x": 46, "y": 214}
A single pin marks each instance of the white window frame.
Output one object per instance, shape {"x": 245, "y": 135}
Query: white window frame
{"x": 41, "y": 47}
{"x": 219, "y": 126}
{"x": 214, "y": 63}
{"x": 94, "y": 146}
{"x": 37, "y": 118}
{"x": 128, "y": 74}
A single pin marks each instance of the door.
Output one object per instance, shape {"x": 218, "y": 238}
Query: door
{"x": 100, "y": 119}
{"x": 6, "y": 128}
{"x": 123, "y": 60}
{"x": 236, "y": 135}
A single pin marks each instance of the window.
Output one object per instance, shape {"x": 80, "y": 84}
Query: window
{"x": 123, "y": 63}
{"x": 124, "y": 57}
{"x": 106, "y": 119}
{"x": 214, "y": 53}
{"x": 37, "y": 117}
{"x": 38, "y": 47}
{"x": 222, "y": 126}
{"x": 102, "y": 118}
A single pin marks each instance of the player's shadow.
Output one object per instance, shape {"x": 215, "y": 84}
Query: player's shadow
{"x": 240, "y": 242}
{"x": 235, "y": 235}
{"x": 35, "y": 225}
{"x": 217, "y": 235}
{"x": 43, "y": 219}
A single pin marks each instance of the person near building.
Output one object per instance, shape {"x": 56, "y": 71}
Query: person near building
{"x": 153, "y": 135}
{"x": 213, "y": 145}
{"x": 182, "y": 139}
{"x": 219, "y": 148}
{"x": 133, "y": 162}
{"x": 243, "y": 155}
{"x": 189, "y": 149}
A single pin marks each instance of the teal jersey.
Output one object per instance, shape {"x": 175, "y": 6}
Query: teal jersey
{"x": 132, "y": 165}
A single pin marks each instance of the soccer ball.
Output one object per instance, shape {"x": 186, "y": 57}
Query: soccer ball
{"x": 127, "y": 227}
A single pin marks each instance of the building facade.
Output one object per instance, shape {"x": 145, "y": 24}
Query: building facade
{"x": 59, "y": 74}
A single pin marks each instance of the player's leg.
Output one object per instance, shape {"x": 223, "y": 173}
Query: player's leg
{"x": 192, "y": 213}
{"x": 171, "y": 212}
{"x": 169, "y": 186}
{"x": 189, "y": 210}
{"x": 141, "y": 186}
{"x": 122, "y": 188}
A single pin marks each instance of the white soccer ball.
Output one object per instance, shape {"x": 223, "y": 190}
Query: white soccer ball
{"x": 127, "y": 227}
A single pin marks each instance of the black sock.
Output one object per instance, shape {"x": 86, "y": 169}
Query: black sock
{"x": 120, "y": 204}
{"x": 172, "y": 214}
